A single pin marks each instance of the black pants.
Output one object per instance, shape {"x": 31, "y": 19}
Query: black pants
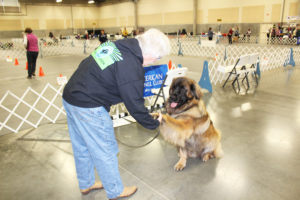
{"x": 31, "y": 59}
{"x": 210, "y": 38}
{"x": 230, "y": 39}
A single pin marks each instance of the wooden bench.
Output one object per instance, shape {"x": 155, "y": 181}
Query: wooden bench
{"x": 243, "y": 66}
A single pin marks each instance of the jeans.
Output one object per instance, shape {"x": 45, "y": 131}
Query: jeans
{"x": 31, "y": 59}
{"x": 94, "y": 146}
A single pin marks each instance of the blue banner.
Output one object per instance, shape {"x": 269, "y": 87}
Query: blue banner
{"x": 154, "y": 77}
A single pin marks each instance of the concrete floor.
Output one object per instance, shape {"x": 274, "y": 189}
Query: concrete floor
{"x": 259, "y": 136}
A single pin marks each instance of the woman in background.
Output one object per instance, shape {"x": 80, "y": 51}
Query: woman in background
{"x": 210, "y": 34}
{"x": 32, "y": 47}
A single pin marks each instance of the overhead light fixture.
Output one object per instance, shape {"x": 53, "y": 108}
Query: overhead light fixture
{"x": 91, "y": 1}
{"x": 58, "y": 1}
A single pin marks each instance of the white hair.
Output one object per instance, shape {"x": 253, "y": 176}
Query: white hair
{"x": 154, "y": 43}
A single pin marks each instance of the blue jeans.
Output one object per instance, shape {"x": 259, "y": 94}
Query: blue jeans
{"x": 94, "y": 146}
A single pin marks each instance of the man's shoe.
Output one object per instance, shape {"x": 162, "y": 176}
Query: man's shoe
{"x": 97, "y": 186}
{"x": 29, "y": 77}
{"x": 127, "y": 192}
{"x": 33, "y": 74}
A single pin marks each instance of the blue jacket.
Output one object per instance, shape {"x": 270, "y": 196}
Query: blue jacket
{"x": 95, "y": 83}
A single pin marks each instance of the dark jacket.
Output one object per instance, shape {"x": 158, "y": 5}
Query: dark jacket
{"x": 298, "y": 33}
{"x": 210, "y": 34}
{"x": 122, "y": 81}
{"x": 102, "y": 38}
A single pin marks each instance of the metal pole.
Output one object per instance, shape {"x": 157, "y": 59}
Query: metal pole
{"x": 135, "y": 2}
{"x": 195, "y": 17}
{"x": 282, "y": 12}
{"x": 72, "y": 22}
{"x": 298, "y": 10}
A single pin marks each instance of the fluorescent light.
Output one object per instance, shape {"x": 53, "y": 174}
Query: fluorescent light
{"x": 91, "y": 1}
{"x": 58, "y": 1}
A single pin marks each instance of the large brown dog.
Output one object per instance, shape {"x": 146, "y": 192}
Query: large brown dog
{"x": 187, "y": 124}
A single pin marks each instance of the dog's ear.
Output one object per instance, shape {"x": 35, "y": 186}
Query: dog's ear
{"x": 172, "y": 86}
{"x": 196, "y": 91}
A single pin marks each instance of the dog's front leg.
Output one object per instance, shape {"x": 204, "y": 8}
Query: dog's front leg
{"x": 180, "y": 165}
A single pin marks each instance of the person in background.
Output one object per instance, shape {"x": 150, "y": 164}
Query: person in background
{"x": 32, "y": 47}
{"x": 273, "y": 34}
{"x": 54, "y": 39}
{"x": 112, "y": 74}
{"x": 236, "y": 34}
{"x": 230, "y": 32}
{"x": 210, "y": 34}
{"x": 268, "y": 35}
{"x": 51, "y": 35}
{"x": 125, "y": 33}
{"x": 102, "y": 37}
{"x": 298, "y": 35}
{"x": 248, "y": 34}
{"x": 179, "y": 32}
{"x": 134, "y": 33}
{"x": 86, "y": 34}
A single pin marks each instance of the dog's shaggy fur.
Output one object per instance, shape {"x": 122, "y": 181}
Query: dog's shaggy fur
{"x": 187, "y": 124}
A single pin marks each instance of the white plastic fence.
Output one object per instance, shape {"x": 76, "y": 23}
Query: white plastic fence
{"x": 270, "y": 56}
{"x": 15, "y": 117}
{"x": 34, "y": 108}
{"x": 14, "y": 48}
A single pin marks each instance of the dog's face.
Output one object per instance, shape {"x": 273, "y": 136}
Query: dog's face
{"x": 184, "y": 92}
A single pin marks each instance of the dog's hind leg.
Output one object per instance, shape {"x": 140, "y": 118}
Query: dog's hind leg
{"x": 180, "y": 165}
{"x": 218, "y": 152}
{"x": 207, "y": 156}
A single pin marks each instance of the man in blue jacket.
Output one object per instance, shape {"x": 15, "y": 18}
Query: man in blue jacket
{"x": 113, "y": 73}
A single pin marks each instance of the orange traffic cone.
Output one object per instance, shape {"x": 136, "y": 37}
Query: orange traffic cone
{"x": 170, "y": 65}
{"x": 41, "y": 72}
{"x": 26, "y": 66}
{"x": 16, "y": 62}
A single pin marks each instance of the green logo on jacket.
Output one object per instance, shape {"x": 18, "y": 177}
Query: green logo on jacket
{"x": 107, "y": 54}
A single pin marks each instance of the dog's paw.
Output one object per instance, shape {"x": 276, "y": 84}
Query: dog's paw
{"x": 206, "y": 157}
{"x": 179, "y": 166}
{"x": 155, "y": 115}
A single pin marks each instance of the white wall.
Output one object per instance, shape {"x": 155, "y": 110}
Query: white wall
{"x": 150, "y": 13}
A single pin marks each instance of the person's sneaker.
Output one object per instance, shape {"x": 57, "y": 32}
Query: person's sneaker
{"x": 33, "y": 74}
{"x": 29, "y": 77}
{"x": 97, "y": 186}
{"x": 128, "y": 191}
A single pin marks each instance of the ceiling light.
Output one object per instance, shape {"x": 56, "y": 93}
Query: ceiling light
{"x": 58, "y": 1}
{"x": 91, "y": 1}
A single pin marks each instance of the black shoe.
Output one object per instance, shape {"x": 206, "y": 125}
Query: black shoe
{"x": 33, "y": 74}
{"x": 29, "y": 77}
